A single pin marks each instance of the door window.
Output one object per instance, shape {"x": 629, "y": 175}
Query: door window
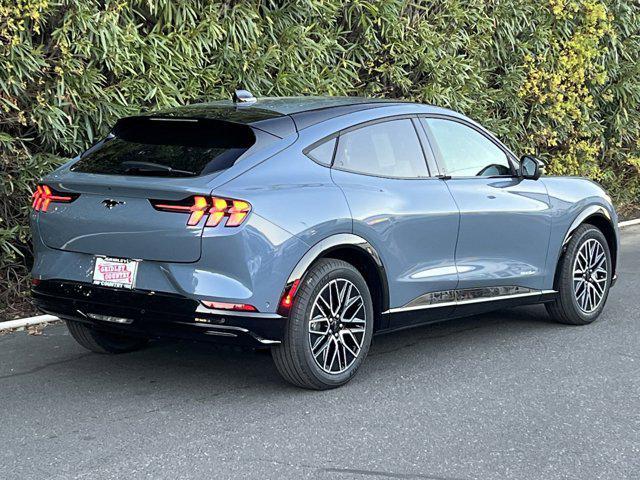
{"x": 465, "y": 152}
{"x": 386, "y": 149}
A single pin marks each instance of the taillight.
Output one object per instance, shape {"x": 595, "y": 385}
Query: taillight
{"x": 215, "y": 209}
{"x": 238, "y": 212}
{"x": 45, "y": 195}
{"x": 196, "y": 206}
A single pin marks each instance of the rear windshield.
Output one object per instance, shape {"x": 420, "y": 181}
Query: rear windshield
{"x": 167, "y": 147}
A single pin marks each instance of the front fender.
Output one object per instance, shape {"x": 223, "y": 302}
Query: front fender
{"x": 575, "y": 201}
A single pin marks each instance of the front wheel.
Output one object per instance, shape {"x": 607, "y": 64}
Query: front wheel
{"x": 330, "y": 327}
{"x": 584, "y": 278}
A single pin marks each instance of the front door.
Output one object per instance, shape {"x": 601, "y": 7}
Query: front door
{"x": 505, "y": 220}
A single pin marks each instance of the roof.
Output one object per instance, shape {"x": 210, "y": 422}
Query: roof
{"x": 277, "y": 115}
{"x": 294, "y": 105}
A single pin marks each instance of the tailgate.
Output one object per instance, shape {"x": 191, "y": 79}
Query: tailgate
{"x": 121, "y": 222}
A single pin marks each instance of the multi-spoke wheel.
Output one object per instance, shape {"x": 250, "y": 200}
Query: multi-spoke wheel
{"x": 330, "y": 327}
{"x": 337, "y": 326}
{"x": 583, "y": 279}
{"x": 590, "y": 275}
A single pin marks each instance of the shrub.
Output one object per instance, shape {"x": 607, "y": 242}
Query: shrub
{"x": 558, "y": 78}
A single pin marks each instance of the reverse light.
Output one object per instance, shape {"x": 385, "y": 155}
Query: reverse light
{"x": 237, "y": 307}
{"x": 45, "y": 195}
{"x": 215, "y": 209}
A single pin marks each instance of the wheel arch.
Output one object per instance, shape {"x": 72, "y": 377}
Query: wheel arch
{"x": 599, "y": 217}
{"x": 359, "y": 253}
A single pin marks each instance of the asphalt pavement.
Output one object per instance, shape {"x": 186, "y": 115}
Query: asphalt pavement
{"x": 508, "y": 395}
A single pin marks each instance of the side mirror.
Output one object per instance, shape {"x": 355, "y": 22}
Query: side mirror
{"x": 531, "y": 167}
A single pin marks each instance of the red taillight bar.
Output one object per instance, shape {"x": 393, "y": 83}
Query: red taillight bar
{"x": 216, "y": 208}
{"x": 45, "y": 195}
{"x": 197, "y": 209}
{"x": 237, "y": 307}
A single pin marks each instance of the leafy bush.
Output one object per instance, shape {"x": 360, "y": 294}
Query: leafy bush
{"x": 558, "y": 78}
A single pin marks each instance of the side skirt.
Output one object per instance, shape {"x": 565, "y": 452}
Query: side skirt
{"x": 418, "y": 315}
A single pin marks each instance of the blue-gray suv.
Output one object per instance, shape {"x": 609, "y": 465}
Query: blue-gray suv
{"x": 307, "y": 225}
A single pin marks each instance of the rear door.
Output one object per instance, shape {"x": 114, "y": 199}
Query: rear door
{"x": 505, "y": 221}
{"x": 408, "y": 216}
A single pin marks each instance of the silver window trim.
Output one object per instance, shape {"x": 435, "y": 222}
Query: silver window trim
{"x": 511, "y": 157}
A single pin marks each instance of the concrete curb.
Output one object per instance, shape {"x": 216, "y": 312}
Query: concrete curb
{"x": 628, "y": 223}
{"x": 27, "y": 322}
{"x": 41, "y": 319}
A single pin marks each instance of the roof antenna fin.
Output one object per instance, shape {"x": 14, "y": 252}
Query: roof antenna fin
{"x": 243, "y": 96}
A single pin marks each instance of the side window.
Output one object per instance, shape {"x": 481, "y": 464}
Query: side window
{"x": 323, "y": 153}
{"x": 387, "y": 149}
{"x": 466, "y": 152}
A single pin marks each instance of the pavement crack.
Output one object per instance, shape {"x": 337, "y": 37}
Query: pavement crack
{"x": 42, "y": 367}
{"x": 356, "y": 471}
{"x": 380, "y": 473}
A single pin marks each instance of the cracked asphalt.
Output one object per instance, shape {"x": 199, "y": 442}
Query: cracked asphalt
{"x": 508, "y": 395}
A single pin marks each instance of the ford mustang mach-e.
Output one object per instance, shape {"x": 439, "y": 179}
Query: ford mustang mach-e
{"x": 307, "y": 225}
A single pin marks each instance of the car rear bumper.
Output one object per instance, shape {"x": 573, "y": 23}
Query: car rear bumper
{"x": 155, "y": 314}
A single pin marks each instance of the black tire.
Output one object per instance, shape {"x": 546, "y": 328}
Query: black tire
{"x": 293, "y": 357}
{"x": 565, "y": 308}
{"x": 103, "y": 342}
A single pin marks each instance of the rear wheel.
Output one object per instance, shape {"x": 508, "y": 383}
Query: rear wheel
{"x": 103, "y": 342}
{"x": 330, "y": 328}
{"x": 584, "y": 278}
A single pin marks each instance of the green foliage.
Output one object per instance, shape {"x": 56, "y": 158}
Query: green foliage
{"x": 559, "y": 78}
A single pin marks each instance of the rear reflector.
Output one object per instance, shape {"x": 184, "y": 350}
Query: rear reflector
{"x": 45, "y": 195}
{"x": 289, "y": 293}
{"x": 238, "y": 307}
{"x": 109, "y": 318}
{"x": 215, "y": 209}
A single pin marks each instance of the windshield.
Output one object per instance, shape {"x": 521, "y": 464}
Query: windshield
{"x": 167, "y": 147}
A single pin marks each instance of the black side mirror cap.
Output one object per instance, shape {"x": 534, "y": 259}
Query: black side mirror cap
{"x": 531, "y": 167}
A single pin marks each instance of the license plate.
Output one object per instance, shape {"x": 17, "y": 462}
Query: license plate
{"x": 115, "y": 272}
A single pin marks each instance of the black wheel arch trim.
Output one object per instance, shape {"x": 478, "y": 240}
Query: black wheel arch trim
{"x": 339, "y": 241}
{"x": 589, "y": 213}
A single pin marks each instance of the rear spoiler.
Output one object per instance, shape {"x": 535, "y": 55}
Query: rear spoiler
{"x": 157, "y": 130}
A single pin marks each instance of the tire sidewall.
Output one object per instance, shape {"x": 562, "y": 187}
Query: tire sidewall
{"x": 566, "y": 289}
{"x": 300, "y": 317}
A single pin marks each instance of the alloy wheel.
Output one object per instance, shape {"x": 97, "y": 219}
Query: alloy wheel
{"x": 590, "y": 274}
{"x": 337, "y": 326}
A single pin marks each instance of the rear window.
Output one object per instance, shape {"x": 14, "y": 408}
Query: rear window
{"x": 167, "y": 147}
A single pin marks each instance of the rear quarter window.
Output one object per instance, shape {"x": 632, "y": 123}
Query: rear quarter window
{"x": 323, "y": 153}
{"x": 167, "y": 147}
{"x": 386, "y": 149}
